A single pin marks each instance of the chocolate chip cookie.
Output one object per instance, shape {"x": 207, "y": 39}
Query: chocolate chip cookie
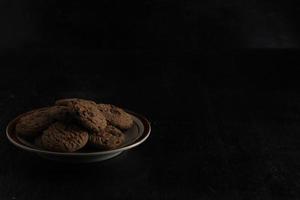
{"x": 116, "y": 116}
{"x": 86, "y": 112}
{"x": 36, "y": 121}
{"x": 63, "y": 137}
{"x": 110, "y": 138}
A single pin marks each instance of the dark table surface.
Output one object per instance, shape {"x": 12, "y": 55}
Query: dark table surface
{"x": 224, "y": 126}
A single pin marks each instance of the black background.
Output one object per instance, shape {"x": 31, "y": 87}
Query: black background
{"x": 219, "y": 82}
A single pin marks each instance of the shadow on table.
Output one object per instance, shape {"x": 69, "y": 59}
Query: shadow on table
{"x": 120, "y": 167}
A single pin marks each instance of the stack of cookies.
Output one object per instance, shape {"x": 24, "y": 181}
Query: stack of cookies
{"x": 72, "y": 124}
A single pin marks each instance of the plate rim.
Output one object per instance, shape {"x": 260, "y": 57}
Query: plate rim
{"x": 146, "y": 133}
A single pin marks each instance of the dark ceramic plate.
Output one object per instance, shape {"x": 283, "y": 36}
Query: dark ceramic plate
{"x": 136, "y": 135}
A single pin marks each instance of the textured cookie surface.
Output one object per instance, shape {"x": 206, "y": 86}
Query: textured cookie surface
{"x": 59, "y": 112}
{"x": 86, "y": 112}
{"x": 116, "y": 116}
{"x": 63, "y": 138}
{"x": 35, "y": 122}
{"x": 67, "y": 102}
{"x": 110, "y": 138}
{"x": 38, "y": 142}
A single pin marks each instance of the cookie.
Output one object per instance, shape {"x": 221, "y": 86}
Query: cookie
{"x": 110, "y": 138}
{"x": 59, "y": 113}
{"x": 66, "y": 102}
{"x": 116, "y": 116}
{"x": 86, "y": 112}
{"x": 63, "y": 138}
{"x": 38, "y": 142}
{"x": 35, "y": 122}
